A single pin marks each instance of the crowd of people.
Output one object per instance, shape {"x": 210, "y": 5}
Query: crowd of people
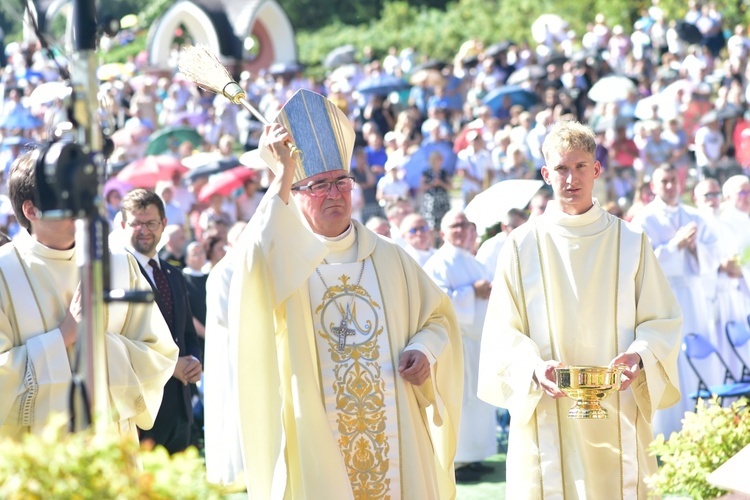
{"x": 479, "y": 324}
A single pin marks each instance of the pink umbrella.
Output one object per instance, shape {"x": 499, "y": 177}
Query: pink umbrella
{"x": 115, "y": 184}
{"x": 226, "y": 182}
{"x": 147, "y": 171}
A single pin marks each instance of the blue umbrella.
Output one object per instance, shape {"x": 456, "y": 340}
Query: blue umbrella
{"x": 21, "y": 120}
{"x": 382, "y": 85}
{"x": 518, "y": 95}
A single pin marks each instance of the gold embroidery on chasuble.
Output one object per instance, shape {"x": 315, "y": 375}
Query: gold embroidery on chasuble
{"x": 358, "y": 380}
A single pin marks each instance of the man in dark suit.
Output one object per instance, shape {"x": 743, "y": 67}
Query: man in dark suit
{"x": 143, "y": 220}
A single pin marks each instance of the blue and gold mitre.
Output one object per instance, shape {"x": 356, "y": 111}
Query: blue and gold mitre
{"x": 320, "y": 130}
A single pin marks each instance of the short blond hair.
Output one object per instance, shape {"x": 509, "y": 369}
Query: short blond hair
{"x": 569, "y": 135}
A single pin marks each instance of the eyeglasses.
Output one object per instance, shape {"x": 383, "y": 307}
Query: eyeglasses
{"x": 743, "y": 193}
{"x": 713, "y": 194}
{"x": 321, "y": 189}
{"x": 460, "y": 225}
{"x": 419, "y": 229}
{"x": 151, "y": 225}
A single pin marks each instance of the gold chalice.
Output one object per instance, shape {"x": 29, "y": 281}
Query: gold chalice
{"x": 589, "y": 385}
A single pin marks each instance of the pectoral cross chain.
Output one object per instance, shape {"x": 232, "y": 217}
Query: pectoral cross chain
{"x": 343, "y": 331}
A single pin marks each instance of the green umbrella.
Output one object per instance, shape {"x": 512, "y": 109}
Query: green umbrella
{"x": 159, "y": 141}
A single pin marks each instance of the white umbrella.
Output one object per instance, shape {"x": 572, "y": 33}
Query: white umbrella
{"x": 47, "y": 92}
{"x": 548, "y": 25}
{"x": 491, "y": 205}
{"x": 612, "y": 88}
{"x": 656, "y": 107}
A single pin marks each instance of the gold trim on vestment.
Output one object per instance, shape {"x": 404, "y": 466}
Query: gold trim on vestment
{"x": 617, "y": 351}
{"x": 527, "y": 331}
{"x": 552, "y": 352}
{"x": 359, "y": 391}
{"x": 394, "y": 364}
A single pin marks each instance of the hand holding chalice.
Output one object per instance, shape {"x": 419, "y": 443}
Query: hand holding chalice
{"x": 588, "y": 386}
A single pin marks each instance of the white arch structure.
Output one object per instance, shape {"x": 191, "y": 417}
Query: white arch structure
{"x": 243, "y": 16}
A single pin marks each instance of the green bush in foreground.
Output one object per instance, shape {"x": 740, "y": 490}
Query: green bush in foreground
{"x": 56, "y": 465}
{"x": 708, "y": 438}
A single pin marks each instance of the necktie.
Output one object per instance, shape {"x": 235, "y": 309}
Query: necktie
{"x": 165, "y": 293}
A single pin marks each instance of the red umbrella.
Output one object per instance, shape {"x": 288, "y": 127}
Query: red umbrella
{"x": 226, "y": 182}
{"x": 147, "y": 171}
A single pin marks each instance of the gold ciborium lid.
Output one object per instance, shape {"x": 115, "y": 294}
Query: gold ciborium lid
{"x": 588, "y": 386}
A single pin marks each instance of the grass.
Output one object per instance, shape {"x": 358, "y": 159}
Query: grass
{"x": 490, "y": 487}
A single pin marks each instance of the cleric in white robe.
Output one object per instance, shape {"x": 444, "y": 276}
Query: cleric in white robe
{"x": 349, "y": 357}
{"x": 458, "y": 273}
{"x": 39, "y": 314}
{"x": 578, "y": 286}
{"x": 687, "y": 250}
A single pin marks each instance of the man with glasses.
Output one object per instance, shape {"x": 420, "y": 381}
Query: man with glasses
{"x": 457, "y": 272}
{"x": 40, "y": 314}
{"x": 143, "y": 221}
{"x": 418, "y": 238}
{"x": 348, "y": 356}
{"x": 724, "y": 286}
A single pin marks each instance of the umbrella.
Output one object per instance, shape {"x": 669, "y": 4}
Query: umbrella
{"x": 285, "y": 68}
{"x": 21, "y": 120}
{"x": 147, "y": 171}
{"x": 688, "y": 32}
{"x": 116, "y": 184}
{"x": 427, "y": 77}
{"x": 201, "y": 158}
{"x": 656, "y": 107}
{"x": 48, "y": 92}
{"x": 346, "y": 54}
{"x": 431, "y": 64}
{"x": 491, "y": 205}
{"x": 226, "y": 182}
{"x": 111, "y": 70}
{"x": 497, "y": 48}
{"x": 611, "y": 88}
{"x": 128, "y": 21}
{"x": 555, "y": 59}
{"x": 547, "y": 24}
{"x": 522, "y": 75}
{"x": 159, "y": 141}
{"x": 211, "y": 168}
{"x": 382, "y": 84}
{"x": 518, "y": 95}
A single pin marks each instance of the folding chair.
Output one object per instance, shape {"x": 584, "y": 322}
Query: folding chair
{"x": 738, "y": 335}
{"x": 697, "y": 347}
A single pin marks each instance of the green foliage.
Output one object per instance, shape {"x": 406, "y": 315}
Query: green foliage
{"x": 438, "y": 32}
{"x": 708, "y": 438}
{"x": 56, "y": 465}
{"x": 121, "y": 53}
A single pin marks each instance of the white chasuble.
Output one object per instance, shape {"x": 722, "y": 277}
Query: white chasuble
{"x": 357, "y": 375}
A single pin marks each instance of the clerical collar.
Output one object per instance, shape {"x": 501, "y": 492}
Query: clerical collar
{"x": 554, "y": 214}
{"x": 671, "y": 209}
{"x": 24, "y": 241}
{"x": 342, "y": 248}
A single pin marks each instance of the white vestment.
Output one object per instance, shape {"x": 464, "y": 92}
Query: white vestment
{"x": 726, "y": 295}
{"x": 579, "y": 290}
{"x": 455, "y": 271}
{"x": 285, "y": 376}
{"x": 489, "y": 251}
{"x": 36, "y": 286}
{"x": 221, "y": 427}
{"x": 684, "y": 271}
